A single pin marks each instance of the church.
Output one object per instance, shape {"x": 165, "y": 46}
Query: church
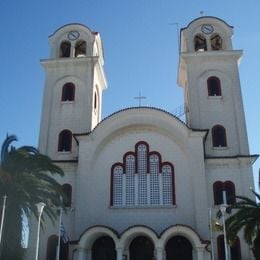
{"x": 141, "y": 182}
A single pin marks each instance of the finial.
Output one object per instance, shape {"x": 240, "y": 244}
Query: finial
{"x": 201, "y": 13}
{"x": 140, "y": 97}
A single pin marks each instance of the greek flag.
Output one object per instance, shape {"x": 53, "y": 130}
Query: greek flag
{"x": 63, "y": 234}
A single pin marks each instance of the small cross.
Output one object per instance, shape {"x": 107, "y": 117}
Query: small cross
{"x": 140, "y": 97}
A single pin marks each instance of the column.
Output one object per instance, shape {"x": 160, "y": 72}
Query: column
{"x": 119, "y": 254}
{"x": 159, "y": 253}
{"x": 81, "y": 254}
{"x": 89, "y": 254}
{"x": 200, "y": 253}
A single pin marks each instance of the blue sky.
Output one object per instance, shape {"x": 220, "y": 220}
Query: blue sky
{"x": 141, "y": 54}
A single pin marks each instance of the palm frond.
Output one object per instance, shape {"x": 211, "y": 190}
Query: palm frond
{"x": 246, "y": 217}
{"x": 6, "y": 145}
{"x": 26, "y": 177}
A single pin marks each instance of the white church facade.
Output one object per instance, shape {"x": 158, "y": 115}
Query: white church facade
{"x": 141, "y": 182}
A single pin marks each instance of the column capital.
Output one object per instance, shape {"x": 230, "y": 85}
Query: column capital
{"x": 200, "y": 248}
{"x": 159, "y": 248}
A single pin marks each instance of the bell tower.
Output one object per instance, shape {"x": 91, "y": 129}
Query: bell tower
{"x": 74, "y": 82}
{"x": 208, "y": 72}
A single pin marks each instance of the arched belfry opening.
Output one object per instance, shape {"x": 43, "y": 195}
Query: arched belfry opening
{"x": 80, "y": 48}
{"x": 200, "y": 43}
{"x": 216, "y": 42}
{"x": 65, "y": 49}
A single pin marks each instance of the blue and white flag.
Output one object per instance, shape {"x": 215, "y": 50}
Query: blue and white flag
{"x": 63, "y": 234}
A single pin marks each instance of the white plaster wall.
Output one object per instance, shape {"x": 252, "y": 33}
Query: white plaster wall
{"x": 85, "y": 73}
{"x": 93, "y": 183}
{"x": 58, "y": 115}
{"x": 227, "y": 110}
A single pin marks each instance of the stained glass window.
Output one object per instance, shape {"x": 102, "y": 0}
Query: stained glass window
{"x": 142, "y": 180}
{"x": 130, "y": 180}
{"x": 118, "y": 184}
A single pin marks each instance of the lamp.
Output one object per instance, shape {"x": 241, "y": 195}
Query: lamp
{"x": 40, "y": 207}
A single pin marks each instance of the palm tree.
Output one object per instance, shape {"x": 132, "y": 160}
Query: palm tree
{"x": 247, "y": 217}
{"x": 26, "y": 178}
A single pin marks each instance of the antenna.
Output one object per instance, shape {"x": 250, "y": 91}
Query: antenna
{"x": 259, "y": 178}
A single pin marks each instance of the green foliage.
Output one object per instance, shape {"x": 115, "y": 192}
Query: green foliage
{"x": 26, "y": 178}
{"x": 246, "y": 218}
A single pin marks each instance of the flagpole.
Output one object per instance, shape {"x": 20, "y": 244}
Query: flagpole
{"x": 2, "y": 218}
{"x": 211, "y": 234}
{"x": 58, "y": 247}
{"x": 223, "y": 208}
{"x": 259, "y": 178}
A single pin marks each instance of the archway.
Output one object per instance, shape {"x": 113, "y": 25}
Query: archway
{"x": 141, "y": 248}
{"x": 104, "y": 249}
{"x": 178, "y": 247}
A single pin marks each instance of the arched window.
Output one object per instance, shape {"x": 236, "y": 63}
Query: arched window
{"x": 219, "y": 136}
{"x": 219, "y": 187}
{"x": 214, "y": 87}
{"x": 235, "y": 251}
{"x": 67, "y": 189}
{"x": 65, "y": 49}
{"x": 68, "y": 92}
{"x": 52, "y": 244}
{"x": 229, "y": 187}
{"x": 142, "y": 179}
{"x": 216, "y": 42}
{"x": 218, "y": 192}
{"x": 95, "y": 101}
{"x": 80, "y": 49}
{"x": 65, "y": 141}
{"x": 200, "y": 43}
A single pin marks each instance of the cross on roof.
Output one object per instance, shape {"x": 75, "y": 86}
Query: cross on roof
{"x": 140, "y": 97}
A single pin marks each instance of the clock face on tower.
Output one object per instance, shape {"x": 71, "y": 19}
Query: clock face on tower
{"x": 73, "y": 35}
{"x": 207, "y": 28}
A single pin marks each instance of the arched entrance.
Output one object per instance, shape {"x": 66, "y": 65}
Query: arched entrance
{"x": 141, "y": 248}
{"x": 104, "y": 249}
{"x": 178, "y": 247}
